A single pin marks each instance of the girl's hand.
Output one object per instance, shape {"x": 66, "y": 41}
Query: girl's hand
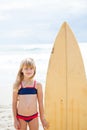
{"x": 45, "y": 124}
{"x": 17, "y": 124}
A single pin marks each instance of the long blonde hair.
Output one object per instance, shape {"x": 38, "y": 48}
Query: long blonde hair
{"x": 29, "y": 62}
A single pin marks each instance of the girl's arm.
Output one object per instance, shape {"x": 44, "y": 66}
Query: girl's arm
{"x": 14, "y": 108}
{"x": 14, "y": 103}
{"x": 41, "y": 107}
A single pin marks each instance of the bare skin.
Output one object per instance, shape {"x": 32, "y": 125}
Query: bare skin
{"x": 27, "y": 104}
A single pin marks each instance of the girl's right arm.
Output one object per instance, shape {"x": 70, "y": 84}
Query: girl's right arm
{"x": 14, "y": 108}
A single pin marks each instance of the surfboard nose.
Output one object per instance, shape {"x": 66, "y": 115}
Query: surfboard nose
{"x": 64, "y": 24}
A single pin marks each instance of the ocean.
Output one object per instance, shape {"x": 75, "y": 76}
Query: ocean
{"x": 11, "y": 56}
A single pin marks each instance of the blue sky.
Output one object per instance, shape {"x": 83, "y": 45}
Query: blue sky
{"x": 38, "y": 21}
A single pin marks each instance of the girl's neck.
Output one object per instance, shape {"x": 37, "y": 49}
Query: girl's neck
{"x": 27, "y": 82}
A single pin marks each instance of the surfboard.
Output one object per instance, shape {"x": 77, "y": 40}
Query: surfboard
{"x": 66, "y": 85}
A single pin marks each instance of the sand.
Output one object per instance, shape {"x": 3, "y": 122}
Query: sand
{"x": 6, "y": 118}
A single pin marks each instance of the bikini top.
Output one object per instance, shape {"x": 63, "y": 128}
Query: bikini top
{"x": 27, "y": 90}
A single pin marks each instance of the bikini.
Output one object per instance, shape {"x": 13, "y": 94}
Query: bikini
{"x": 26, "y": 91}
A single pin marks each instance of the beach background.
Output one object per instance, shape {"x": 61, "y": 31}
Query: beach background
{"x": 28, "y": 29}
{"x": 10, "y": 58}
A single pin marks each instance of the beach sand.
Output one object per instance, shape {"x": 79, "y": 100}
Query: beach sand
{"x": 6, "y": 118}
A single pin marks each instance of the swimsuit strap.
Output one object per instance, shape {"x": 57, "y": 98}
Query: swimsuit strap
{"x": 34, "y": 84}
{"x": 21, "y": 85}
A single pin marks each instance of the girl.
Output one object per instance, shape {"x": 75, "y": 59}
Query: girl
{"x": 26, "y": 93}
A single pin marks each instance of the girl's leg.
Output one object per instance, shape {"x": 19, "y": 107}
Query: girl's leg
{"x": 23, "y": 124}
{"x": 34, "y": 124}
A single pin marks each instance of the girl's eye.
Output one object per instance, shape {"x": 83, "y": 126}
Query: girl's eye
{"x": 31, "y": 68}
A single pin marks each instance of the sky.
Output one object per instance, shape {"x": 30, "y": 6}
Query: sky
{"x": 38, "y": 21}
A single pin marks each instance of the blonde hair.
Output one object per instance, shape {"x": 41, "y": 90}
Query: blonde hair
{"x": 29, "y": 62}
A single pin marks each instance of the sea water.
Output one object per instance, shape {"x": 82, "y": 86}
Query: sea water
{"x": 11, "y": 56}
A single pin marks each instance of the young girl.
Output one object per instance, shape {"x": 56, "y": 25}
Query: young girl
{"x": 26, "y": 93}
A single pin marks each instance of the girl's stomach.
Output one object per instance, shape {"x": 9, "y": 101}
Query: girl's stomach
{"x": 27, "y": 105}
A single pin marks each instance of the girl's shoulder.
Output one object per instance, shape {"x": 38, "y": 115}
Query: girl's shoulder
{"x": 38, "y": 85}
{"x": 17, "y": 89}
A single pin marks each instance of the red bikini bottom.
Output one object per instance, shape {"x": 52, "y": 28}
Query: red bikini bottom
{"x": 27, "y": 118}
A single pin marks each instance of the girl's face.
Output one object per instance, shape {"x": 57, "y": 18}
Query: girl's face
{"x": 28, "y": 71}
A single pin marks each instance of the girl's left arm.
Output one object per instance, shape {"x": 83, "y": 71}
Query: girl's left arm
{"x": 41, "y": 107}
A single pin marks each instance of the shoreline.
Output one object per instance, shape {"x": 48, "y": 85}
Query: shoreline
{"x": 6, "y": 118}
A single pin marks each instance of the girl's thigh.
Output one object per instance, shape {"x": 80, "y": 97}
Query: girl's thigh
{"x": 34, "y": 124}
{"x": 23, "y": 124}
